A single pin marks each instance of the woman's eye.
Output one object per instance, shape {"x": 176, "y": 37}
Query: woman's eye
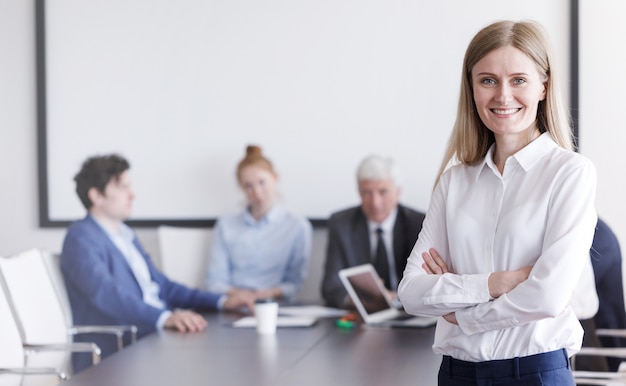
{"x": 519, "y": 81}
{"x": 488, "y": 81}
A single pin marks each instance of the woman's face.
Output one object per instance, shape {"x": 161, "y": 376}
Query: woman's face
{"x": 259, "y": 185}
{"x": 507, "y": 90}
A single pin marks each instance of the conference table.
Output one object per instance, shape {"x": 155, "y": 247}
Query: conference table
{"x": 322, "y": 354}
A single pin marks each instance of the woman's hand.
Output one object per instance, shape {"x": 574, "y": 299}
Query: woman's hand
{"x": 238, "y": 298}
{"x": 434, "y": 263}
{"x": 451, "y": 318}
{"x": 504, "y": 281}
{"x": 275, "y": 293}
{"x": 499, "y": 283}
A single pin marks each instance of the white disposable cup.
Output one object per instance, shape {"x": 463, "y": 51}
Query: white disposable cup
{"x": 266, "y": 312}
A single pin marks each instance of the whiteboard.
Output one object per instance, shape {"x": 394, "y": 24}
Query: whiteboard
{"x": 181, "y": 87}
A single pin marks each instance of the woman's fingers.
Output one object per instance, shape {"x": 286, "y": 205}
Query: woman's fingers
{"x": 434, "y": 263}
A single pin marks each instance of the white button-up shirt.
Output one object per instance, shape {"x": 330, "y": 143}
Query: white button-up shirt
{"x": 123, "y": 240}
{"x": 539, "y": 212}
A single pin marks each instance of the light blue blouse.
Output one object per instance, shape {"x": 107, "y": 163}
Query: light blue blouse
{"x": 271, "y": 252}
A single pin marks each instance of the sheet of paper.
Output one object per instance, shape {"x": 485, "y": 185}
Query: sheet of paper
{"x": 282, "y": 321}
{"x": 312, "y": 311}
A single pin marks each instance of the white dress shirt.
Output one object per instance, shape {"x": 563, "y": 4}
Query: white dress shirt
{"x": 539, "y": 212}
{"x": 259, "y": 254}
{"x": 123, "y": 240}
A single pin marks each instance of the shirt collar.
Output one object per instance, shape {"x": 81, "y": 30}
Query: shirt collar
{"x": 386, "y": 225}
{"x": 124, "y": 230}
{"x": 271, "y": 216}
{"x": 527, "y": 157}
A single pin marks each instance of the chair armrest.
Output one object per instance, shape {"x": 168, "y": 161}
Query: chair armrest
{"x": 617, "y": 352}
{"x": 616, "y": 332}
{"x": 599, "y": 377}
{"x": 72, "y": 347}
{"x": 118, "y": 331}
{"x": 34, "y": 371}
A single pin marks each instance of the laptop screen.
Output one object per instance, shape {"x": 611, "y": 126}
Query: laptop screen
{"x": 372, "y": 301}
{"x": 368, "y": 291}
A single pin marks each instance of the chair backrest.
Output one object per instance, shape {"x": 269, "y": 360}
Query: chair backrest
{"x": 185, "y": 254}
{"x": 53, "y": 264}
{"x": 310, "y": 290}
{"x": 11, "y": 351}
{"x": 38, "y": 310}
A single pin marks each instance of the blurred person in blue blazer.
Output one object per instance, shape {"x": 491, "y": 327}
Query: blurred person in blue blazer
{"x": 110, "y": 278}
{"x": 606, "y": 258}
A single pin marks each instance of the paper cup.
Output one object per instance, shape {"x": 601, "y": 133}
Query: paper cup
{"x": 266, "y": 312}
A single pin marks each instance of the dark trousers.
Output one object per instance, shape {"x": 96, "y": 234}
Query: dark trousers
{"x": 551, "y": 368}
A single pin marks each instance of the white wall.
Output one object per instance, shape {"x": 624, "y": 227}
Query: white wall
{"x": 602, "y": 103}
{"x": 602, "y": 133}
{"x": 18, "y": 144}
{"x": 19, "y": 227}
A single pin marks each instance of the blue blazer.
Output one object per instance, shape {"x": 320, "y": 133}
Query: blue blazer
{"x": 102, "y": 288}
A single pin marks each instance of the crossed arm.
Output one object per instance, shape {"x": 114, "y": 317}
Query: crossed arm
{"x": 499, "y": 283}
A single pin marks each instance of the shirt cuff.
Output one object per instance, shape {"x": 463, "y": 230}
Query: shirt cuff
{"x": 470, "y": 290}
{"x": 288, "y": 291}
{"x": 162, "y": 318}
{"x": 220, "y": 302}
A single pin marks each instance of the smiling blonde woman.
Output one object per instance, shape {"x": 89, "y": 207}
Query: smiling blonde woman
{"x": 509, "y": 226}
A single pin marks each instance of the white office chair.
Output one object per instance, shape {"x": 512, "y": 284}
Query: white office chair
{"x": 585, "y": 305}
{"x": 607, "y": 378}
{"x": 53, "y": 264}
{"x": 185, "y": 254}
{"x": 13, "y": 355}
{"x": 40, "y": 314}
{"x": 309, "y": 292}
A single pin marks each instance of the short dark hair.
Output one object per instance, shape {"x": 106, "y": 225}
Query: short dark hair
{"x": 97, "y": 172}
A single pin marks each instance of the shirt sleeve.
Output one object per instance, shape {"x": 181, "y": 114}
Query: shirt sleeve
{"x": 177, "y": 295}
{"x": 218, "y": 272}
{"x": 296, "y": 270}
{"x": 548, "y": 290}
{"x": 160, "y": 324}
{"x": 437, "y": 295}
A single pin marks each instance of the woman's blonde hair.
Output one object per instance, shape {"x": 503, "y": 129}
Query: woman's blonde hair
{"x": 470, "y": 139}
{"x": 254, "y": 157}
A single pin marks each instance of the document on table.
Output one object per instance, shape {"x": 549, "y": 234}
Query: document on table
{"x": 311, "y": 311}
{"x": 282, "y": 321}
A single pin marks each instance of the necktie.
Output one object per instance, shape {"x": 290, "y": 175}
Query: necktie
{"x": 380, "y": 259}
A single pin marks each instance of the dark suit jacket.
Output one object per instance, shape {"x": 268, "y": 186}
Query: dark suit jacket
{"x": 349, "y": 245}
{"x": 103, "y": 291}
{"x": 606, "y": 258}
